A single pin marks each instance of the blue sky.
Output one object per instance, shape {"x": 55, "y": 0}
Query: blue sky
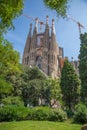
{"x": 67, "y": 33}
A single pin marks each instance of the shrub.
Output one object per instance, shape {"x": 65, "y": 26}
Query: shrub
{"x": 11, "y": 113}
{"x": 46, "y": 113}
{"x": 58, "y": 115}
{"x": 39, "y": 113}
{"x": 80, "y": 114}
{"x": 17, "y": 101}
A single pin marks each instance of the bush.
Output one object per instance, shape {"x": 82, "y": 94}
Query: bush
{"x": 39, "y": 113}
{"x": 17, "y": 101}
{"x": 80, "y": 114}
{"x": 11, "y": 113}
{"x": 46, "y": 113}
{"x": 58, "y": 115}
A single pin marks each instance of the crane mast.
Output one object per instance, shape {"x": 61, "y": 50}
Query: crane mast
{"x": 77, "y": 22}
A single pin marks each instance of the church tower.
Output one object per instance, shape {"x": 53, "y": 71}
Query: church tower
{"x": 53, "y": 53}
{"x": 41, "y": 49}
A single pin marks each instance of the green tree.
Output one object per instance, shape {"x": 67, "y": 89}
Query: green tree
{"x": 53, "y": 91}
{"x": 9, "y": 10}
{"x": 31, "y": 92}
{"x": 60, "y": 6}
{"x": 70, "y": 85}
{"x": 9, "y": 58}
{"x": 83, "y": 67}
{"x": 9, "y": 65}
{"x": 30, "y": 73}
{"x": 32, "y": 84}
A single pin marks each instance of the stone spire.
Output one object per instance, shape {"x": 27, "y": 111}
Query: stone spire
{"x": 46, "y": 34}
{"x": 47, "y": 17}
{"x": 30, "y": 32}
{"x": 28, "y": 41}
{"x": 36, "y": 26}
{"x": 34, "y": 38}
{"x": 53, "y": 27}
{"x": 53, "y": 37}
{"x": 30, "y": 37}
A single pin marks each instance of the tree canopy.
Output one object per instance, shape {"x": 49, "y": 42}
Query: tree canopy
{"x": 60, "y": 6}
{"x": 9, "y": 58}
{"x": 9, "y": 10}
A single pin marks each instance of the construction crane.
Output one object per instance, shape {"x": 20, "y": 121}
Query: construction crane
{"x": 34, "y": 19}
{"x": 77, "y": 22}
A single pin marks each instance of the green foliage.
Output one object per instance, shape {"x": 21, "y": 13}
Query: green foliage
{"x": 31, "y": 92}
{"x": 58, "y": 115}
{"x": 9, "y": 10}
{"x": 60, "y": 6}
{"x": 11, "y": 113}
{"x": 46, "y": 113}
{"x": 39, "y": 113}
{"x": 70, "y": 85}
{"x": 70, "y": 113}
{"x": 83, "y": 67}
{"x": 9, "y": 58}
{"x": 17, "y": 101}
{"x": 33, "y": 85}
{"x": 80, "y": 114}
{"x": 53, "y": 90}
{"x": 5, "y": 87}
{"x": 16, "y": 81}
{"x": 32, "y": 73}
{"x": 9, "y": 65}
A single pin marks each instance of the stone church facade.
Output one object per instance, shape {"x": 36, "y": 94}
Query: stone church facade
{"x": 42, "y": 50}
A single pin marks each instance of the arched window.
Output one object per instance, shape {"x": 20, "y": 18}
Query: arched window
{"x": 39, "y": 62}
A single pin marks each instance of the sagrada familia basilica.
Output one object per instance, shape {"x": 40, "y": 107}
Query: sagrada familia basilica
{"x": 42, "y": 50}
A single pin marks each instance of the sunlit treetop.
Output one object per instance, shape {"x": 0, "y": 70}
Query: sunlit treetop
{"x": 60, "y": 6}
{"x": 9, "y": 10}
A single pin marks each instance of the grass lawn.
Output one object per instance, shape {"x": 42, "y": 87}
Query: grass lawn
{"x": 38, "y": 125}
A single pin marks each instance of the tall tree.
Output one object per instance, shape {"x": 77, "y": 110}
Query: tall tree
{"x": 9, "y": 58}
{"x": 9, "y": 65}
{"x": 70, "y": 85}
{"x": 83, "y": 66}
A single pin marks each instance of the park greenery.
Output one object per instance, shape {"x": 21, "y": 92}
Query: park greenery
{"x": 25, "y": 92}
